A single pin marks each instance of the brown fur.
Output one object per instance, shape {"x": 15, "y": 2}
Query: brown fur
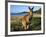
{"x": 26, "y": 20}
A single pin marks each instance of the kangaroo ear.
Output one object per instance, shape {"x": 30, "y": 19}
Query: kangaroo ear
{"x": 32, "y": 7}
{"x": 29, "y": 8}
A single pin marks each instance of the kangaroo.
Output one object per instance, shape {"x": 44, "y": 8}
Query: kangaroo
{"x": 26, "y": 20}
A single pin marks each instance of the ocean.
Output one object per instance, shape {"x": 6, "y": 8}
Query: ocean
{"x": 18, "y": 14}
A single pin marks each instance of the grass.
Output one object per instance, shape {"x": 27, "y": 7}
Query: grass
{"x": 35, "y": 24}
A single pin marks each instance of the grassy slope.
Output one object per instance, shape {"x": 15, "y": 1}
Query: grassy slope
{"x": 16, "y": 24}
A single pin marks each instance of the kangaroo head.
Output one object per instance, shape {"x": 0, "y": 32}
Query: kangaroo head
{"x": 31, "y": 10}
